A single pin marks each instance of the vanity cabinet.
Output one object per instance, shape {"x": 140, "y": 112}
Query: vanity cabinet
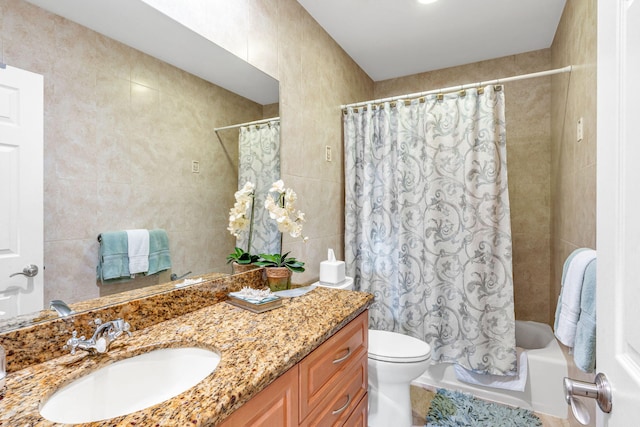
{"x": 276, "y": 405}
{"x": 328, "y": 387}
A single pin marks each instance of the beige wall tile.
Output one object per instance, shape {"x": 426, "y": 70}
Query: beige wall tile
{"x": 262, "y": 36}
{"x": 74, "y": 273}
{"x": 573, "y": 171}
{"x": 573, "y": 163}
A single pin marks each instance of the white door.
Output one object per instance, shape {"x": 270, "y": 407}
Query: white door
{"x": 21, "y": 175}
{"x": 618, "y": 236}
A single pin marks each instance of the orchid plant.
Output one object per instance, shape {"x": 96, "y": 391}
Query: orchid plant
{"x": 282, "y": 209}
{"x": 239, "y": 222}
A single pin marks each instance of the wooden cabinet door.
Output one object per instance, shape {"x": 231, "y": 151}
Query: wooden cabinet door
{"x": 275, "y": 406}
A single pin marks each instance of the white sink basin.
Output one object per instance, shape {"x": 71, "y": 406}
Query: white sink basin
{"x": 130, "y": 385}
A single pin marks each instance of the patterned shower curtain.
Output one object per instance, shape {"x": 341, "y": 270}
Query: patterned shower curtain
{"x": 427, "y": 227}
{"x": 259, "y": 162}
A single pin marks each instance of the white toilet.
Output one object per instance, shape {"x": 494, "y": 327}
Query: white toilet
{"x": 394, "y": 361}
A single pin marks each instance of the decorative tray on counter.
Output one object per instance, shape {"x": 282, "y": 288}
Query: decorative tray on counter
{"x": 257, "y": 301}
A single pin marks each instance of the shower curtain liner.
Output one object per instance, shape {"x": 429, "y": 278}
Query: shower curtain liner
{"x": 427, "y": 227}
{"x": 259, "y": 163}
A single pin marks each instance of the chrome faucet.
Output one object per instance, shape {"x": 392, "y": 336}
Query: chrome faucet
{"x": 102, "y": 338}
{"x": 175, "y": 277}
{"x": 60, "y": 307}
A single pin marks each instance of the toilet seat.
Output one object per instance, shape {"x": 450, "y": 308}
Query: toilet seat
{"x": 394, "y": 347}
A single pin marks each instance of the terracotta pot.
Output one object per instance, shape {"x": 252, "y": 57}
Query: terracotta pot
{"x": 278, "y": 278}
{"x": 241, "y": 268}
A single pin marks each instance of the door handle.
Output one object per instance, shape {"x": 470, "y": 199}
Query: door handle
{"x": 29, "y": 271}
{"x": 600, "y": 390}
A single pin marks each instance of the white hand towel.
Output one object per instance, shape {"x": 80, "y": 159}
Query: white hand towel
{"x": 138, "y": 249}
{"x": 517, "y": 382}
{"x": 570, "y": 298}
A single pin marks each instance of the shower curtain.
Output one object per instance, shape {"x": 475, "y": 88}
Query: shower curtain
{"x": 259, "y": 162}
{"x": 427, "y": 227}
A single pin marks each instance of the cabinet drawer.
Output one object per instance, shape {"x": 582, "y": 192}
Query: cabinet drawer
{"x": 358, "y": 417}
{"x": 336, "y": 407}
{"x": 324, "y": 368}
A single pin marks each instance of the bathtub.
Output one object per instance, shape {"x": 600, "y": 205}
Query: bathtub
{"x": 547, "y": 367}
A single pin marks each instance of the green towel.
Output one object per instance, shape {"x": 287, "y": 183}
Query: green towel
{"x": 113, "y": 261}
{"x": 159, "y": 255}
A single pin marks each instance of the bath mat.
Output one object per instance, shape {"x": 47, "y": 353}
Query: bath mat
{"x": 456, "y": 409}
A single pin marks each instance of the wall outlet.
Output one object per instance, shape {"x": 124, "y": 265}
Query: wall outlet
{"x": 327, "y": 153}
{"x": 579, "y": 130}
{"x": 195, "y": 166}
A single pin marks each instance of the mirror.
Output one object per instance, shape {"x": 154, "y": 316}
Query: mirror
{"x": 123, "y": 129}
{"x": 259, "y": 164}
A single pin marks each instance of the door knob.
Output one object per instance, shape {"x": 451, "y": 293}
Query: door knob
{"x": 29, "y": 271}
{"x": 600, "y": 390}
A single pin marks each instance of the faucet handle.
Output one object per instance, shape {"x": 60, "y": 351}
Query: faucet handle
{"x": 126, "y": 327}
{"x": 101, "y": 345}
{"x": 119, "y": 326}
{"x": 72, "y": 343}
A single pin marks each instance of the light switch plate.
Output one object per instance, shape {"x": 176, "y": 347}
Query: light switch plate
{"x": 327, "y": 153}
{"x": 579, "y": 130}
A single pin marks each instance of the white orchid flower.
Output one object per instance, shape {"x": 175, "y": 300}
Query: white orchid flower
{"x": 283, "y": 210}
{"x": 277, "y": 187}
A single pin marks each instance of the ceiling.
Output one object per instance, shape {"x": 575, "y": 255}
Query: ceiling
{"x": 387, "y": 38}
{"x": 394, "y": 38}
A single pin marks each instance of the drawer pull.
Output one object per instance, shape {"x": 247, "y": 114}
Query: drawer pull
{"x": 337, "y": 411}
{"x": 343, "y": 358}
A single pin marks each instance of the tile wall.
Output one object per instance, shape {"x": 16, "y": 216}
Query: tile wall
{"x": 573, "y": 182}
{"x": 573, "y": 163}
{"x": 316, "y": 76}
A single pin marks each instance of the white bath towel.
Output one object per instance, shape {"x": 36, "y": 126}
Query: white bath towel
{"x": 517, "y": 382}
{"x": 569, "y": 309}
{"x": 138, "y": 250}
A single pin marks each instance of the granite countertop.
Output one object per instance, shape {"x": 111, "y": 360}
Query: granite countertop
{"x": 91, "y": 304}
{"x": 255, "y": 349}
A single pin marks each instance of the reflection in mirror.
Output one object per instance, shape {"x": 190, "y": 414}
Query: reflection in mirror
{"x": 259, "y": 165}
{"x": 122, "y": 130}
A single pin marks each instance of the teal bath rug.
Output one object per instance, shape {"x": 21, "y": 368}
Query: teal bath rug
{"x": 455, "y": 409}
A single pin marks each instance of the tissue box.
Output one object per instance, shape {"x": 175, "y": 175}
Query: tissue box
{"x": 332, "y": 272}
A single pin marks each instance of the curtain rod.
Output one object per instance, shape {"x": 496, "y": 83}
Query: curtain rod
{"x": 256, "y": 122}
{"x": 566, "y": 69}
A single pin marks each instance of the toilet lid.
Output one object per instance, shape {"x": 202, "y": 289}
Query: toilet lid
{"x": 398, "y": 348}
